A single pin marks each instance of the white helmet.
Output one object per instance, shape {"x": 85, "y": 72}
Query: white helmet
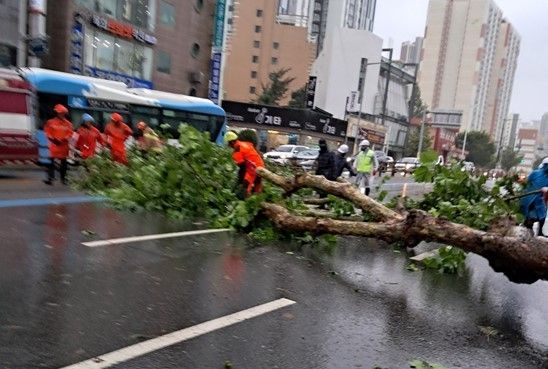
{"x": 343, "y": 149}
{"x": 365, "y": 143}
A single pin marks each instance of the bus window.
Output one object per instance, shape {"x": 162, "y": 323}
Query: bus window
{"x": 148, "y": 115}
{"x": 76, "y": 117}
{"x": 105, "y": 118}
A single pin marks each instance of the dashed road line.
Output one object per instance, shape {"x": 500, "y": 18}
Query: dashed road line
{"x": 139, "y": 349}
{"x": 118, "y": 241}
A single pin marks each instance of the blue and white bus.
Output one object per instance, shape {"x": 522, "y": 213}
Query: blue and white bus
{"x": 100, "y": 98}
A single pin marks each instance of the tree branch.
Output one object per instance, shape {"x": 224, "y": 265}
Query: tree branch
{"x": 344, "y": 190}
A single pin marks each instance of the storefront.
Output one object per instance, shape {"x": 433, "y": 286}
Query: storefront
{"x": 112, "y": 40}
{"x": 276, "y": 126}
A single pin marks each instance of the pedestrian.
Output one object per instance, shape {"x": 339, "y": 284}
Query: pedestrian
{"x": 325, "y": 160}
{"x": 58, "y": 130}
{"x": 117, "y": 132}
{"x": 340, "y": 163}
{"x": 248, "y": 160}
{"x": 533, "y": 206}
{"x": 88, "y": 137}
{"x": 366, "y": 165}
{"x": 147, "y": 139}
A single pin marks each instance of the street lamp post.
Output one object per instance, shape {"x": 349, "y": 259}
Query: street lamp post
{"x": 499, "y": 158}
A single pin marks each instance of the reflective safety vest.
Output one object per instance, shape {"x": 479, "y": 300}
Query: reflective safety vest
{"x": 365, "y": 161}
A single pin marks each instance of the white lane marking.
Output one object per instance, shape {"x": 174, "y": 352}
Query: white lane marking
{"x": 139, "y": 349}
{"x": 117, "y": 241}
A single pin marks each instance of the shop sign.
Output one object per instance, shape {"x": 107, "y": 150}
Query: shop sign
{"x": 131, "y": 82}
{"x": 352, "y": 105}
{"x": 299, "y": 119}
{"x": 375, "y": 137}
{"x": 122, "y": 29}
{"x": 77, "y": 48}
{"x": 219, "y": 24}
{"x": 215, "y": 81}
{"x": 311, "y": 92}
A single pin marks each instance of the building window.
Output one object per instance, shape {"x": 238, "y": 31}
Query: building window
{"x": 105, "y": 52}
{"x": 276, "y": 45}
{"x": 256, "y": 44}
{"x": 140, "y": 13}
{"x": 198, "y": 7}
{"x": 252, "y": 89}
{"x": 102, "y": 51}
{"x": 259, "y": 13}
{"x": 163, "y": 62}
{"x": 253, "y": 74}
{"x": 274, "y": 61}
{"x": 167, "y": 14}
{"x": 258, "y": 29}
{"x": 255, "y": 59}
{"x": 195, "y": 50}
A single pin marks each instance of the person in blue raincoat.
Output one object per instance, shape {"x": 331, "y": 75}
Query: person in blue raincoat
{"x": 533, "y": 206}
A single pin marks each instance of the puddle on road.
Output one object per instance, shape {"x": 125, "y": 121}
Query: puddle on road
{"x": 478, "y": 298}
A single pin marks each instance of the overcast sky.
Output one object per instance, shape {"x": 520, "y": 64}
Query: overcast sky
{"x": 403, "y": 20}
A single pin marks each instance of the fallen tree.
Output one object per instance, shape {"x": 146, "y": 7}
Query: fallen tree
{"x": 520, "y": 257}
{"x": 197, "y": 180}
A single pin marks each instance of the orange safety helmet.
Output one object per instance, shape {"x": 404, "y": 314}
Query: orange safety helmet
{"x": 115, "y": 117}
{"x": 60, "y": 109}
{"x": 141, "y": 125}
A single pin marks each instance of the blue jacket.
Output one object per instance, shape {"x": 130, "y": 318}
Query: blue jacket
{"x": 532, "y": 206}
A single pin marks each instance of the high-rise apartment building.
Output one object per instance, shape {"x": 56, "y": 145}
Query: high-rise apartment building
{"x": 259, "y": 44}
{"x": 468, "y": 62}
{"x": 510, "y": 130}
{"x": 411, "y": 51}
{"x": 327, "y": 15}
{"x": 294, "y": 12}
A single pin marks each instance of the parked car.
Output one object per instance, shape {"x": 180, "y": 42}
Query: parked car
{"x": 283, "y": 153}
{"x": 407, "y": 165}
{"x": 307, "y": 158}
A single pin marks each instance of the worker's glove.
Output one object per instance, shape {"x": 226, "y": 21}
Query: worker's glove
{"x": 544, "y": 189}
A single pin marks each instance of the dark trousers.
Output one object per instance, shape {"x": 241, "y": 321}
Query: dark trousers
{"x": 62, "y": 169}
{"x": 529, "y": 224}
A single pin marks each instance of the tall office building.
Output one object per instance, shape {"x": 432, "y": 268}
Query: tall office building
{"x": 259, "y": 44}
{"x": 327, "y": 15}
{"x": 411, "y": 51}
{"x": 469, "y": 59}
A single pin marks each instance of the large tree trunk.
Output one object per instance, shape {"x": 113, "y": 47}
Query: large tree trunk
{"x": 521, "y": 259}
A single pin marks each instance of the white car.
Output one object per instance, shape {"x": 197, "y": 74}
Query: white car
{"x": 284, "y": 153}
{"x": 407, "y": 165}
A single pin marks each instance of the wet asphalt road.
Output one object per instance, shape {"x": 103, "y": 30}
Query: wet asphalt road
{"x": 62, "y": 302}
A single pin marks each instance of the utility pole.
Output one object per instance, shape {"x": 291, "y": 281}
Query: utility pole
{"x": 385, "y": 97}
{"x": 421, "y": 134}
{"x": 500, "y": 142}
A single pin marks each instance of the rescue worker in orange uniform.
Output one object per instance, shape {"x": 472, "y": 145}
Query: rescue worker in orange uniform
{"x": 248, "y": 160}
{"x": 147, "y": 139}
{"x": 88, "y": 137}
{"x": 117, "y": 133}
{"x": 58, "y": 130}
